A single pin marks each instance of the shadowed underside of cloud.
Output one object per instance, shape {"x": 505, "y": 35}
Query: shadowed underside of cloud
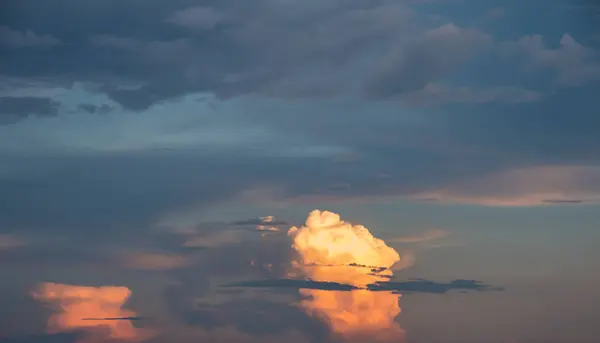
{"x": 13, "y": 109}
{"x": 89, "y": 196}
{"x": 276, "y": 49}
{"x": 230, "y": 48}
{"x": 414, "y": 286}
{"x": 45, "y": 338}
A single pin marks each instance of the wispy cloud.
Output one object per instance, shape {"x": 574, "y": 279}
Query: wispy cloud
{"x": 152, "y": 261}
{"x": 26, "y": 39}
{"x": 11, "y": 242}
{"x": 428, "y": 235}
{"x": 525, "y": 187}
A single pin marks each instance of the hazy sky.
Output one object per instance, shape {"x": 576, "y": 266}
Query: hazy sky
{"x": 141, "y": 142}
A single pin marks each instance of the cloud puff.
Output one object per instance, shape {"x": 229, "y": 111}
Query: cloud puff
{"x": 327, "y": 242}
{"x": 98, "y": 311}
{"x": 331, "y": 250}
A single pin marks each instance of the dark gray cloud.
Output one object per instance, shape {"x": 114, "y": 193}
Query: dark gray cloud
{"x": 25, "y": 39}
{"x": 412, "y": 286}
{"x": 573, "y": 63}
{"x": 91, "y": 108}
{"x": 20, "y": 107}
{"x": 435, "y": 95}
{"x": 92, "y": 195}
{"x": 428, "y": 58}
{"x": 227, "y": 47}
{"x": 45, "y": 338}
{"x": 236, "y": 48}
{"x": 260, "y": 221}
{"x": 91, "y": 192}
{"x": 570, "y": 201}
{"x": 254, "y": 316}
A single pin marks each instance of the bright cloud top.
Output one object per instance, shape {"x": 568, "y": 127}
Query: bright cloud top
{"x": 332, "y": 250}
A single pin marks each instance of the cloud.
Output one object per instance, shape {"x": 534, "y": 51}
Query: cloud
{"x": 76, "y": 304}
{"x": 20, "y": 107}
{"x": 330, "y": 249}
{"x": 153, "y": 261}
{"x": 428, "y": 235}
{"x": 215, "y": 239}
{"x": 525, "y": 187}
{"x": 437, "y": 94}
{"x": 263, "y": 224}
{"x": 91, "y": 108}
{"x": 46, "y": 338}
{"x": 411, "y": 286}
{"x": 267, "y": 220}
{"x": 12, "y": 38}
{"x": 8, "y": 242}
{"x": 197, "y": 18}
{"x": 275, "y": 49}
{"x": 229, "y": 334}
{"x": 91, "y": 203}
{"x": 336, "y": 252}
{"x": 429, "y": 58}
{"x": 573, "y": 63}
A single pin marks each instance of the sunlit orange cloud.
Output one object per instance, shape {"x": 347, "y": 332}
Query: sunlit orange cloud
{"x": 332, "y": 250}
{"x": 92, "y": 310}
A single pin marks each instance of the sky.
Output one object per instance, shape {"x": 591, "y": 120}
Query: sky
{"x": 316, "y": 171}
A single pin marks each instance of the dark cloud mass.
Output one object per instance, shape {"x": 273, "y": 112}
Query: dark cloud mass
{"x": 412, "y": 286}
{"x": 226, "y": 47}
{"x": 137, "y": 135}
{"x": 428, "y": 58}
{"x": 390, "y": 50}
{"x": 91, "y": 108}
{"x": 19, "y": 107}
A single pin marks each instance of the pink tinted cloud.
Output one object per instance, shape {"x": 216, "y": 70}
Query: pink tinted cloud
{"x": 524, "y": 187}
{"x": 97, "y": 311}
{"x": 11, "y": 242}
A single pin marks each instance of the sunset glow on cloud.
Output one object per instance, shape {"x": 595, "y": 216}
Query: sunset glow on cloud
{"x": 332, "y": 250}
{"x": 97, "y": 311}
